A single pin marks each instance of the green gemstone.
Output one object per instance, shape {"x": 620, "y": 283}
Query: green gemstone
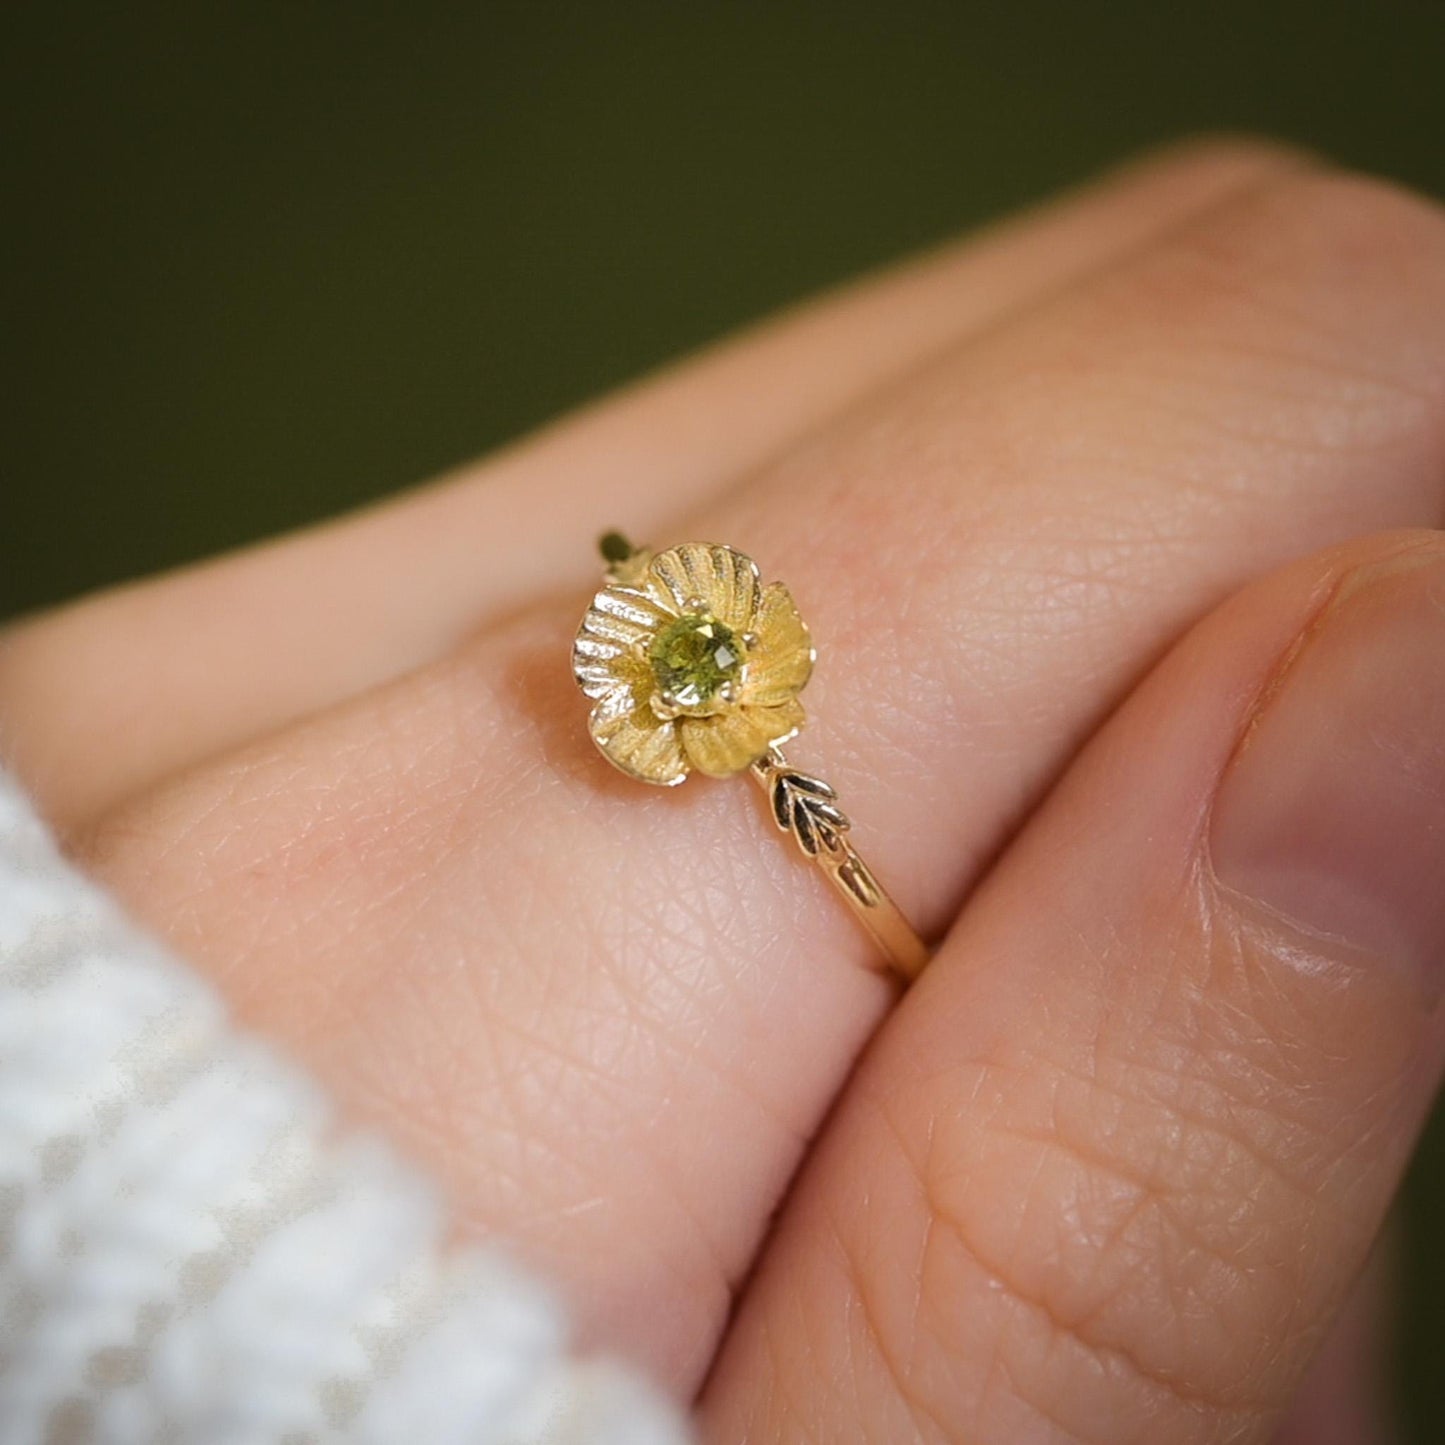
{"x": 694, "y": 658}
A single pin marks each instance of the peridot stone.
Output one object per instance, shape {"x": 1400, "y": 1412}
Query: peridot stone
{"x": 694, "y": 658}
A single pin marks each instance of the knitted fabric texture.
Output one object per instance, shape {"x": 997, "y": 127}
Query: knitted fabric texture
{"x": 189, "y": 1250}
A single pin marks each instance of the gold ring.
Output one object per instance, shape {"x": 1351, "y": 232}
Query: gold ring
{"x": 693, "y": 665}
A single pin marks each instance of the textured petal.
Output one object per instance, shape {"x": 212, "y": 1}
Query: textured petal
{"x": 781, "y": 660}
{"x": 727, "y": 743}
{"x": 724, "y": 581}
{"x": 633, "y": 738}
{"x": 602, "y": 655}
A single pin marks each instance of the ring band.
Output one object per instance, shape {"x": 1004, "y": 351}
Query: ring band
{"x": 693, "y": 665}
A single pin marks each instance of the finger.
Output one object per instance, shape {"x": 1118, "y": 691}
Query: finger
{"x": 1115, "y": 1162}
{"x": 107, "y": 695}
{"x": 575, "y": 997}
{"x": 1345, "y": 1398}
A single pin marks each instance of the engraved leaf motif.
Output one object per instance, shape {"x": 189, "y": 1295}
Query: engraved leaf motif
{"x": 808, "y": 808}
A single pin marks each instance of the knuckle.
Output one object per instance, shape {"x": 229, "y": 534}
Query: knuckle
{"x": 1224, "y": 156}
{"x": 1303, "y": 320}
{"x": 1365, "y": 222}
{"x": 1316, "y": 266}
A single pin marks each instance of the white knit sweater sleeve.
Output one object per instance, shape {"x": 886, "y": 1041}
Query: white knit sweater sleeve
{"x": 192, "y": 1254}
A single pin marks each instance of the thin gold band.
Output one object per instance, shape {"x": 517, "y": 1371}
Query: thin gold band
{"x": 808, "y": 808}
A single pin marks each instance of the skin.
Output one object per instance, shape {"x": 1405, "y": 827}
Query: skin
{"x": 1016, "y": 488}
{"x": 114, "y": 693}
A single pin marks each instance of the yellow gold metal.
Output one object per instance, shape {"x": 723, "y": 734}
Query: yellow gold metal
{"x": 692, "y": 664}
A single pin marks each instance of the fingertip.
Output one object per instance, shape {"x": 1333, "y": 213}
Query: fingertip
{"x": 1330, "y": 817}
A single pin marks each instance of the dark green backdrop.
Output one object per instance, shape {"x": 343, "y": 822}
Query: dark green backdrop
{"x": 259, "y": 262}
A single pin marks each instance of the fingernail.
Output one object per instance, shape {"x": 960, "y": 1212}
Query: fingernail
{"x": 1332, "y": 814}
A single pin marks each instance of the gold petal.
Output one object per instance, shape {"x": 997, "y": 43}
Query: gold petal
{"x": 634, "y": 739}
{"x": 781, "y": 660}
{"x": 618, "y": 619}
{"x": 724, "y": 581}
{"x": 727, "y": 742}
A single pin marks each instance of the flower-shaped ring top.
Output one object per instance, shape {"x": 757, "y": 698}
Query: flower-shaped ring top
{"x": 691, "y": 663}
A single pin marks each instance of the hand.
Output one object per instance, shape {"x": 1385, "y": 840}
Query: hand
{"x": 1108, "y": 1170}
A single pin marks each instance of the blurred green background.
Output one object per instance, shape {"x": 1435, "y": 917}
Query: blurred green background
{"x": 265, "y": 261}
